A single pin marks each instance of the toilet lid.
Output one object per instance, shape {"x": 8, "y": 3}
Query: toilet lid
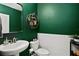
{"x": 42, "y": 51}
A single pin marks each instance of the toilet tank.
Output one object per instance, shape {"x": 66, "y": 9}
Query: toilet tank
{"x": 34, "y": 45}
{"x": 57, "y": 45}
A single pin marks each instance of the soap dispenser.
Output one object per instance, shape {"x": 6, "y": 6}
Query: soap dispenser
{"x": 6, "y": 41}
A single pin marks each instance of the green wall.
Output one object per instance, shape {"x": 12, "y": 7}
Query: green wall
{"x": 15, "y": 17}
{"x": 61, "y": 18}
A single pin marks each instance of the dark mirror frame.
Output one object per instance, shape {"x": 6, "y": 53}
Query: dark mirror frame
{"x": 1, "y": 34}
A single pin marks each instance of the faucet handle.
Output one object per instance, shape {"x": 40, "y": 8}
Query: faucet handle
{"x": 14, "y": 40}
{"x": 6, "y": 41}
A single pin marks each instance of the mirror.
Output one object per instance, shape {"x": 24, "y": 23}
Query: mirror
{"x": 32, "y": 21}
{"x": 4, "y": 23}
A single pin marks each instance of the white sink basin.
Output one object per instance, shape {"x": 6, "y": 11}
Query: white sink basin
{"x": 14, "y": 48}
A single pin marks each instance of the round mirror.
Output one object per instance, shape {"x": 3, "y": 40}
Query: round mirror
{"x": 32, "y": 21}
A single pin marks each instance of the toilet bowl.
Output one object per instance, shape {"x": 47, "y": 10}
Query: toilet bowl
{"x": 39, "y": 51}
{"x": 42, "y": 52}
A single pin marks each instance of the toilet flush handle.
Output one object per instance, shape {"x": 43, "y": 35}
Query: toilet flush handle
{"x": 30, "y": 50}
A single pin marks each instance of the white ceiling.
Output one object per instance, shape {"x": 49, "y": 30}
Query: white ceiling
{"x": 13, "y": 5}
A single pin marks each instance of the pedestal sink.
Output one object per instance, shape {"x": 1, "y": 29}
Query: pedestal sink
{"x": 14, "y": 49}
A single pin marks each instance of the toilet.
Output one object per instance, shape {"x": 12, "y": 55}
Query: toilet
{"x": 39, "y": 51}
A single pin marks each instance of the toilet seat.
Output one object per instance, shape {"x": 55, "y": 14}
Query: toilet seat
{"x": 42, "y": 52}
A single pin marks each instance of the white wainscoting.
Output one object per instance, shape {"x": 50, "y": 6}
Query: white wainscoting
{"x": 58, "y": 45}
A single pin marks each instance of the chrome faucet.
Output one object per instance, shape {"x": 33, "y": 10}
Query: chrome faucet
{"x": 6, "y": 41}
